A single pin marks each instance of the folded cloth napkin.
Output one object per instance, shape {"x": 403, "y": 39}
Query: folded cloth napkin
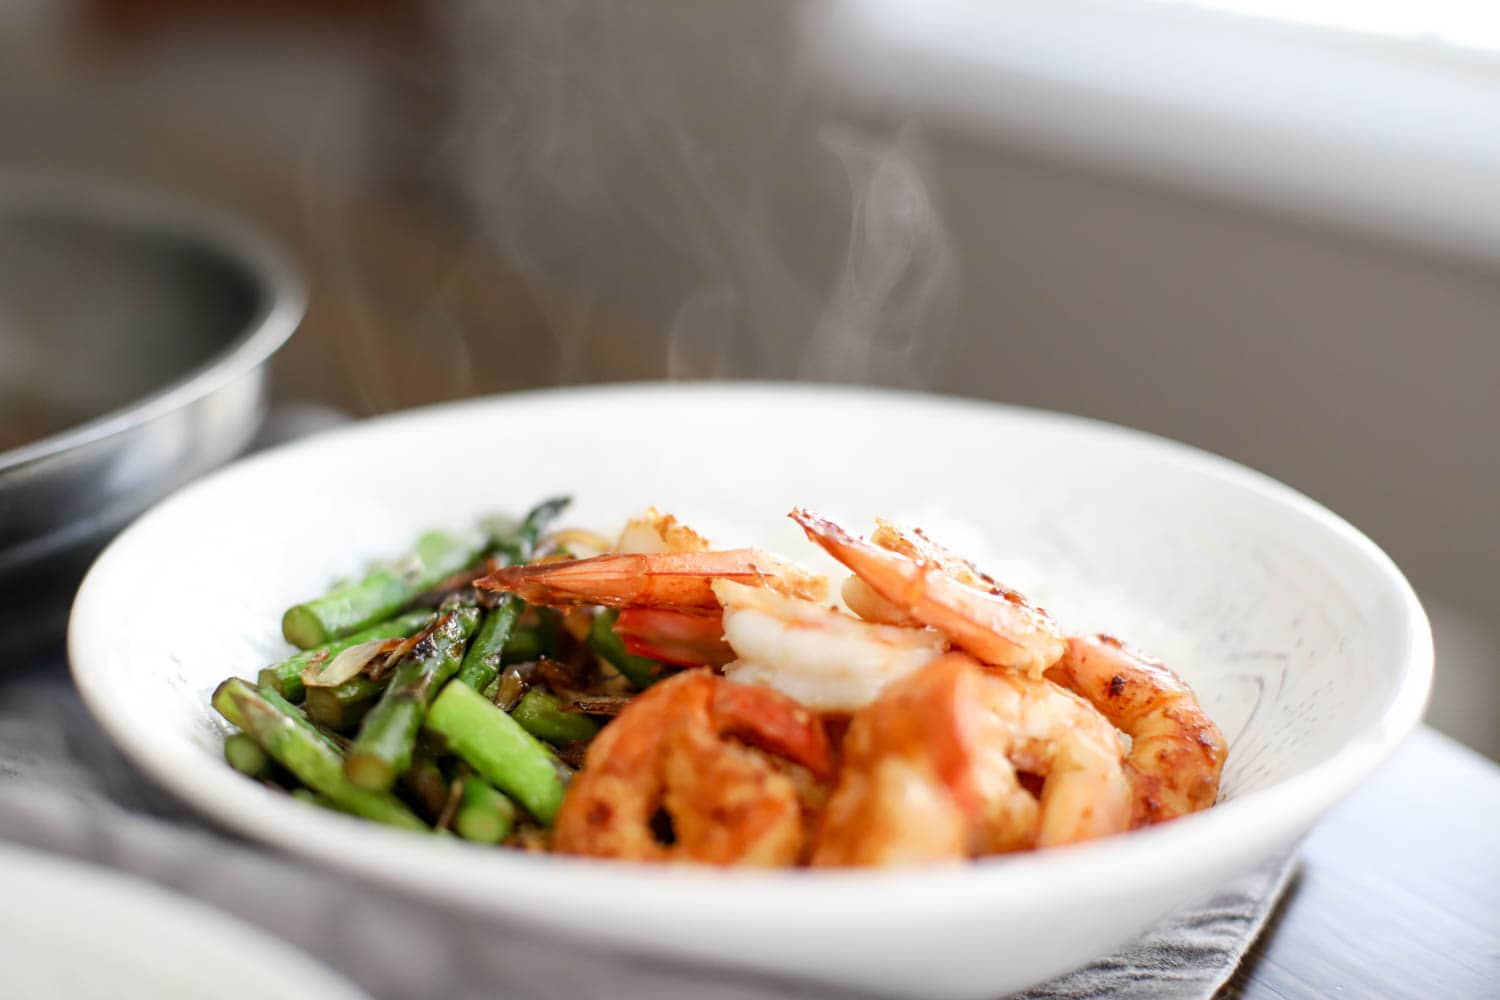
{"x": 64, "y": 788}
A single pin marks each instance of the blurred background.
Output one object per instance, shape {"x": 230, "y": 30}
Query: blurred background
{"x": 1264, "y": 228}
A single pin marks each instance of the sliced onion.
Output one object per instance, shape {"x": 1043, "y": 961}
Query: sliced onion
{"x": 347, "y": 664}
{"x": 580, "y": 543}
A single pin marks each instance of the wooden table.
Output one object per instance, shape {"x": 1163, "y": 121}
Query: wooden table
{"x": 1399, "y": 890}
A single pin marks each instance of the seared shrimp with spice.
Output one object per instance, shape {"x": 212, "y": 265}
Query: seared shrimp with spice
{"x": 931, "y": 770}
{"x": 1176, "y": 753}
{"x": 698, "y": 768}
{"x": 919, "y": 581}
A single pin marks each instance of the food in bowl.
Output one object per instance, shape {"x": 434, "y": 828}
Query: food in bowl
{"x": 653, "y": 698}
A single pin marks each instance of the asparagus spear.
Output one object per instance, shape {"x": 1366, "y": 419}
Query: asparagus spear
{"x": 541, "y": 714}
{"x": 517, "y": 545}
{"x": 291, "y": 711}
{"x": 383, "y": 749}
{"x": 639, "y": 670}
{"x": 424, "y": 781}
{"x": 482, "y": 662}
{"x": 484, "y": 814}
{"x": 246, "y": 756}
{"x": 529, "y": 643}
{"x": 229, "y": 711}
{"x": 286, "y": 676}
{"x": 341, "y": 708}
{"x": 314, "y": 762}
{"x": 498, "y": 748}
{"x": 383, "y": 592}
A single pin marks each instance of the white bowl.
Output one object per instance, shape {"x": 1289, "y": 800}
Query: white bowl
{"x": 1301, "y": 637}
{"x": 86, "y": 933}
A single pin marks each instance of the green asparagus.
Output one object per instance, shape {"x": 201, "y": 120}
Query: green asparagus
{"x": 341, "y": 708}
{"x": 291, "y": 711}
{"x": 528, "y": 644}
{"x": 382, "y": 593}
{"x": 313, "y": 761}
{"x": 425, "y": 782}
{"x": 286, "y": 676}
{"x": 246, "y": 756}
{"x": 383, "y": 749}
{"x": 498, "y": 748}
{"x": 515, "y": 542}
{"x": 638, "y": 670}
{"x": 482, "y": 662}
{"x": 484, "y": 814}
{"x": 541, "y": 714}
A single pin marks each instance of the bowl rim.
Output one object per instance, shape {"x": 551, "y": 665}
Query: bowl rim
{"x": 1144, "y": 859}
{"x": 282, "y": 294}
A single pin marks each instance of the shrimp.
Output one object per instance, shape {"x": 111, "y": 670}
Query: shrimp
{"x": 928, "y": 583}
{"x": 682, "y": 638}
{"x": 827, "y": 660}
{"x": 930, "y": 770}
{"x": 654, "y": 531}
{"x": 699, "y": 768}
{"x": 672, "y": 580}
{"x": 1177, "y": 753}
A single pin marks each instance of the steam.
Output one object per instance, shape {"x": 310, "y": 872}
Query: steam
{"x": 680, "y": 202}
{"x": 888, "y": 315}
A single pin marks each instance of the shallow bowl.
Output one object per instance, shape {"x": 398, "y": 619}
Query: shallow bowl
{"x": 1301, "y": 637}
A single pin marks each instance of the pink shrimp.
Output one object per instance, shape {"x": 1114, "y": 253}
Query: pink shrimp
{"x": 926, "y": 583}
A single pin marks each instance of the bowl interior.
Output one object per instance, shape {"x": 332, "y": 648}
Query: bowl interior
{"x": 1302, "y": 640}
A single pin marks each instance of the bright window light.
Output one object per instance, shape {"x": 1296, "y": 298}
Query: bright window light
{"x": 1470, "y": 24}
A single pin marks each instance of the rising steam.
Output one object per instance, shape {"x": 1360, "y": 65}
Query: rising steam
{"x": 681, "y": 201}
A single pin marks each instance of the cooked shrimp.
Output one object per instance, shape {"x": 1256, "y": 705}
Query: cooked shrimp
{"x": 1176, "y": 751}
{"x": 677, "y": 580}
{"x": 937, "y": 588}
{"x": 682, "y": 638}
{"x": 703, "y": 769}
{"x": 827, "y": 660}
{"x": 930, "y": 770}
{"x": 654, "y": 531}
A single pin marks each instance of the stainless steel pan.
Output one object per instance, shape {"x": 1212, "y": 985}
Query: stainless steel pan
{"x": 135, "y": 332}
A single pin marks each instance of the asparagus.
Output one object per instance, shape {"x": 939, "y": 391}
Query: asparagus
{"x": 484, "y": 814}
{"x": 498, "y": 748}
{"x": 517, "y": 546}
{"x": 341, "y": 708}
{"x": 313, "y": 761}
{"x": 289, "y": 710}
{"x": 383, "y": 749}
{"x": 246, "y": 756}
{"x": 542, "y": 715}
{"x": 383, "y": 592}
{"x": 638, "y": 670}
{"x": 482, "y": 662}
{"x": 527, "y": 644}
{"x": 286, "y": 676}
{"x": 424, "y": 782}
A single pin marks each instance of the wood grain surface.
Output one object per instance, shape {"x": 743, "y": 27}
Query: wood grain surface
{"x": 1399, "y": 890}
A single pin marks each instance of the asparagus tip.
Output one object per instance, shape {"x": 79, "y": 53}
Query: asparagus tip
{"x": 370, "y": 771}
{"x": 302, "y": 628}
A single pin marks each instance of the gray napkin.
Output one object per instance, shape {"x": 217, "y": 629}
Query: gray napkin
{"x": 64, "y": 788}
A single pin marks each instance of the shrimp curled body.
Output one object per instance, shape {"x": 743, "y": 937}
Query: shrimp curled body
{"x": 930, "y": 770}
{"x": 928, "y": 584}
{"x": 734, "y": 769}
{"x": 1177, "y": 753}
